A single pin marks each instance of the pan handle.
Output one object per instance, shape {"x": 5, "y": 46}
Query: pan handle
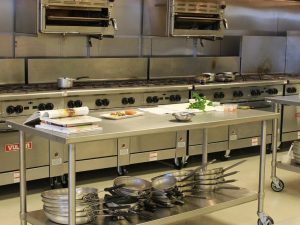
{"x": 234, "y": 165}
{"x": 82, "y": 77}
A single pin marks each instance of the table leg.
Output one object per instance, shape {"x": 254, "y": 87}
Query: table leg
{"x": 274, "y": 144}
{"x": 204, "y": 144}
{"x": 23, "y": 183}
{"x": 262, "y": 165}
{"x": 72, "y": 184}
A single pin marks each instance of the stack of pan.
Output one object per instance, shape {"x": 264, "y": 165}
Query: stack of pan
{"x": 296, "y": 151}
{"x": 211, "y": 179}
{"x": 57, "y": 210}
{"x": 165, "y": 192}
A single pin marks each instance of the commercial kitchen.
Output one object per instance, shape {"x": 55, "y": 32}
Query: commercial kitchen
{"x": 195, "y": 109}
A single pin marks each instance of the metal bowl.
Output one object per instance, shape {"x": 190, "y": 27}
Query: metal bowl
{"x": 183, "y": 116}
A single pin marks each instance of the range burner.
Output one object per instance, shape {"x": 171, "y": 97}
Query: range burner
{"x": 257, "y": 77}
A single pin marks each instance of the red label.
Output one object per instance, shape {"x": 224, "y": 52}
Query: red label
{"x": 297, "y": 114}
{"x": 16, "y": 147}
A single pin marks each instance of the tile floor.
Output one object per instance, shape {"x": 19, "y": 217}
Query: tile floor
{"x": 284, "y": 207}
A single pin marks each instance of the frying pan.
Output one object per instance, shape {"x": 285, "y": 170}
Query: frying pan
{"x": 219, "y": 170}
{"x": 164, "y": 183}
{"x": 132, "y": 183}
{"x": 82, "y": 193}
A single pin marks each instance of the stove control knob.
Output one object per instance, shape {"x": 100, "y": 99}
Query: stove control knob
{"x": 105, "y": 102}
{"x": 222, "y": 95}
{"x": 149, "y": 100}
{"x": 258, "y": 92}
{"x": 289, "y": 90}
{"x": 217, "y": 95}
{"x": 270, "y": 91}
{"x": 155, "y": 99}
{"x": 49, "y": 106}
{"x": 98, "y": 102}
{"x": 172, "y": 98}
{"x": 294, "y": 90}
{"x": 19, "y": 109}
{"x": 10, "y": 109}
{"x": 241, "y": 94}
{"x": 78, "y": 103}
{"x": 253, "y": 92}
{"x": 178, "y": 98}
{"x": 41, "y": 107}
{"x": 71, "y": 104}
{"x": 131, "y": 100}
{"x": 124, "y": 101}
{"x": 235, "y": 94}
{"x": 275, "y": 90}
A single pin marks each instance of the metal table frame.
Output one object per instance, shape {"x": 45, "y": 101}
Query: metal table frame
{"x": 135, "y": 126}
{"x": 277, "y": 184}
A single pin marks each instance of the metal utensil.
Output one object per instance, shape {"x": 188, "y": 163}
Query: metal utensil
{"x": 164, "y": 183}
{"x": 66, "y": 82}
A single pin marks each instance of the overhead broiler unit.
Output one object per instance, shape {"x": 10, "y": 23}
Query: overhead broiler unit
{"x": 185, "y": 18}
{"x": 86, "y": 17}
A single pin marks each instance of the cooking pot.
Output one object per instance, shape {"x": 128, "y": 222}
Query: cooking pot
{"x": 205, "y": 78}
{"x": 66, "y": 82}
{"x": 226, "y": 76}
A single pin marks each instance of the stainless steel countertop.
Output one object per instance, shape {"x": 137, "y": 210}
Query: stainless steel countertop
{"x": 285, "y": 100}
{"x": 148, "y": 124}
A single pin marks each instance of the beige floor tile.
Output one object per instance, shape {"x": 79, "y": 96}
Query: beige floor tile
{"x": 282, "y": 206}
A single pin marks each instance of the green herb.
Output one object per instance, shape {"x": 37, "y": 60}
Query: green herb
{"x": 200, "y": 102}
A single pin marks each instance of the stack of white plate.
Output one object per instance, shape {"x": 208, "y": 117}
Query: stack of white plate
{"x": 296, "y": 151}
{"x": 57, "y": 210}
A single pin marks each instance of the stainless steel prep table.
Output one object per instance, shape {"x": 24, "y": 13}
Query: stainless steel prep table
{"x": 277, "y": 184}
{"x": 151, "y": 123}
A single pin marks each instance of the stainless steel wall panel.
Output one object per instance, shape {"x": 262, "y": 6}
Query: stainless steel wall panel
{"x": 26, "y": 16}
{"x": 230, "y": 46}
{"x": 245, "y": 16}
{"x": 48, "y": 70}
{"x": 74, "y": 46}
{"x": 128, "y": 15}
{"x": 209, "y": 48}
{"x": 6, "y": 45}
{"x": 12, "y": 71}
{"x": 288, "y": 17}
{"x": 293, "y": 54}
{"x": 6, "y": 16}
{"x": 163, "y": 46}
{"x": 187, "y": 66}
{"x": 263, "y": 54}
{"x": 42, "y": 46}
{"x": 119, "y": 47}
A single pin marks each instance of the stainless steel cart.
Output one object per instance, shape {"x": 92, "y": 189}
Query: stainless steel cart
{"x": 148, "y": 124}
{"x": 277, "y": 184}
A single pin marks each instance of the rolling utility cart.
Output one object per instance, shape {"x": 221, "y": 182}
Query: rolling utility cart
{"x": 149, "y": 124}
{"x": 277, "y": 184}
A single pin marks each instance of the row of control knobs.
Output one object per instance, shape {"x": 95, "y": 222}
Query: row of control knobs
{"x": 19, "y": 109}
{"x": 254, "y": 92}
{"x": 291, "y": 90}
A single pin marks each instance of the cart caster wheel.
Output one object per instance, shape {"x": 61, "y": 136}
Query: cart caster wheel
{"x": 179, "y": 163}
{"x": 222, "y": 156}
{"x": 54, "y": 183}
{"x": 269, "y": 221}
{"x": 64, "y": 181}
{"x": 121, "y": 171}
{"x": 269, "y": 149}
{"x": 279, "y": 187}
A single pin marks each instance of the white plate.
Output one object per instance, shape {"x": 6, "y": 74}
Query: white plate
{"x": 114, "y": 117}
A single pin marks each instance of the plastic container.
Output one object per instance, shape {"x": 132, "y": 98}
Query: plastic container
{"x": 230, "y": 107}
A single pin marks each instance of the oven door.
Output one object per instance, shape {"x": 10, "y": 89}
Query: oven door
{"x": 249, "y": 134}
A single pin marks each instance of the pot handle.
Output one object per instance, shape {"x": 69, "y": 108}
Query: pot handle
{"x": 82, "y": 77}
